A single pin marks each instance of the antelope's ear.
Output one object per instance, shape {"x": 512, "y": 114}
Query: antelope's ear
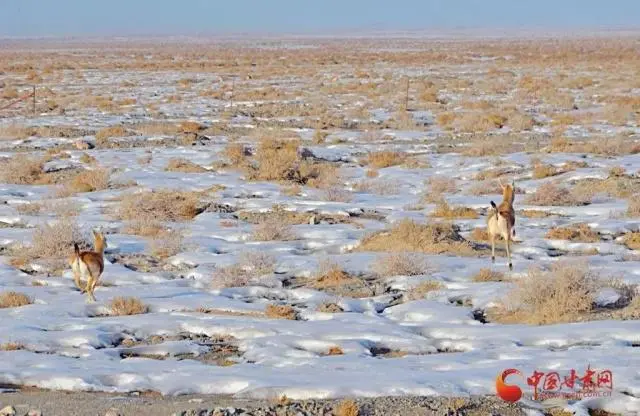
{"x": 95, "y": 234}
{"x": 500, "y": 183}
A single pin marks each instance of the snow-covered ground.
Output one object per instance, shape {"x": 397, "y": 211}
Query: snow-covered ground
{"x": 442, "y": 347}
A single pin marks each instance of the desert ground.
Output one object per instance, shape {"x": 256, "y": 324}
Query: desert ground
{"x": 303, "y": 220}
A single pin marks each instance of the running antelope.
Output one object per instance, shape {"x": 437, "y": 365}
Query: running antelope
{"x": 88, "y": 265}
{"x": 502, "y": 220}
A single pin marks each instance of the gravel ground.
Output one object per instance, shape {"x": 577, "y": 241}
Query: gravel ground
{"x": 51, "y": 403}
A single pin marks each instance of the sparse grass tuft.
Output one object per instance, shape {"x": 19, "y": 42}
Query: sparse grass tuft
{"x": 385, "y": 159}
{"x": 166, "y": 243}
{"x": 184, "y": 166}
{"x": 632, "y": 240}
{"x": 251, "y": 265}
{"x": 330, "y": 274}
{"x": 85, "y": 181}
{"x": 407, "y": 235}
{"x": 12, "y": 299}
{"x": 103, "y": 135}
{"x": 578, "y": 232}
{"x": 161, "y": 205}
{"x": 21, "y": 169}
{"x": 420, "y": 291}
{"x": 121, "y": 306}
{"x": 55, "y": 240}
{"x": 444, "y": 210}
{"x": 488, "y": 275}
{"x": 633, "y": 207}
{"x": 550, "y": 194}
{"x": 401, "y": 264}
{"x": 272, "y": 229}
{"x": 11, "y": 346}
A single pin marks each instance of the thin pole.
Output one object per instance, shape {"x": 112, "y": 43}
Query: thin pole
{"x": 34, "y": 100}
{"x": 406, "y": 98}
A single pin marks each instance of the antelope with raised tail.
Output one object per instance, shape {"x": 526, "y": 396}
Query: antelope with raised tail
{"x": 502, "y": 221}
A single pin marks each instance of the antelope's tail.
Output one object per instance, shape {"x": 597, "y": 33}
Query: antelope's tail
{"x": 76, "y": 248}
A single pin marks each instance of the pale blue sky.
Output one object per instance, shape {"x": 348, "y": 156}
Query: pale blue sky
{"x": 160, "y": 17}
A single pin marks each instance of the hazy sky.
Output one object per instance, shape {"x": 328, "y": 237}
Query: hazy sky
{"x": 130, "y": 17}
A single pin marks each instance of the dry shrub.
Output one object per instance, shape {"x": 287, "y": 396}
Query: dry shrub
{"x": 11, "y": 346}
{"x": 12, "y": 299}
{"x": 235, "y": 153}
{"x": 280, "y": 312}
{"x": 442, "y": 184}
{"x": 380, "y": 186}
{"x": 562, "y": 294}
{"x": 330, "y": 274}
{"x": 401, "y": 264}
{"x": 488, "y": 275}
{"x": 166, "y": 243}
{"x": 535, "y": 213}
{"x": 190, "y": 127}
{"x": 103, "y": 135}
{"x": 329, "y": 307}
{"x": 372, "y": 173}
{"x": 479, "y": 122}
{"x": 276, "y": 160}
{"x": 407, "y": 235}
{"x": 55, "y": 240}
{"x": 251, "y": 265}
{"x": 479, "y": 234}
{"x": 633, "y": 207}
{"x": 337, "y": 194}
{"x": 273, "y": 228}
{"x": 520, "y": 122}
{"x": 578, "y": 232}
{"x": 420, "y": 291}
{"x": 121, "y": 306}
{"x": 183, "y": 165}
{"x": 335, "y": 350}
{"x": 617, "y": 187}
{"x": 385, "y": 159}
{"x": 541, "y": 171}
{"x": 617, "y": 171}
{"x": 145, "y": 226}
{"x": 347, "y": 407}
{"x": 550, "y": 194}
{"x": 85, "y": 181}
{"x": 444, "y": 210}
{"x": 21, "y": 170}
{"x": 632, "y": 240}
{"x": 160, "y": 205}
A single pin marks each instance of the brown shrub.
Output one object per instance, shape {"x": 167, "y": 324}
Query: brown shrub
{"x": 554, "y": 195}
{"x": 276, "y": 160}
{"x": 488, "y": 275}
{"x": 433, "y": 238}
{"x": 190, "y": 127}
{"x": 633, "y": 207}
{"x": 337, "y": 194}
{"x": 85, "y": 181}
{"x": 562, "y": 294}
{"x": 420, "y": 291}
{"x": 444, "y": 210}
{"x": 335, "y": 350}
{"x": 251, "y": 265}
{"x": 541, "y": 171}
{"x": 329, "y": 307}
{"x": 577, "y": 232}
{"x": 121, "y": 306}
{"x": 401, "y": 264}
{"x": 235, "y": 153}
{"x": 272, "y": 229}
{"x": 632, "y": 240}
{"x": 11, "y": 346}
{"x": 21, "y": 169}
{"x": 347, "y": 407}
{"x": 184, "y": 166}
{"x": 385, "y": 159}
{"x": 281, "y": 312}
{"x": 14, "y": 299}
{"x": 55, "y": 240}
{"x": 330, "y": 274}
{"x": 103, "y": 135}
{"x": 166, "y": 243}
{"x": 160, "y": 205}
{"x": 442, "y": 184}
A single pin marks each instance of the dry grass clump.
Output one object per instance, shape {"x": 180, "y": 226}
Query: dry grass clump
{"x": 329, "y": 307}
{"x": 10, "y": 299}
{"x": 11, "y": 346}
{"x": 281, "y": 312}
{"x": 578, "y": 232}
{"x": 633, "y": 207}
{"x": 550, "y": 194}
{"x": 337, "y": 194}
{"x": 104, "y": 134}
{"x": 251, "y": 265}
{"x": 401, "y": 264}
{"x": 272, "y": 229}
{"x": 420, "y": 291}
{"x": 379, "y": 186}
{"x": 617, "y": 171}
{"x": 21, "y": 170}
{"x": 563, "y": 294}
{"x": 541, "y": 171}
{"x": 479, "y": 234}
{"x": 85, "y": 181}
{"x": 347, "y": 407}
{"x": 330, "y": 274}
{"x": 407, "y": 235}
{"x": 178, "y": 164}
{"x": 613, "y": 186}
{"x": 632, "y": 240}
{"x": 160, "y": 205}
{"x": 535, "y": 213}
{"x": 441, "y": 185}
{"x": 385, "y": 159}
{"x": 276, "y": 160}
{"x": 236, "y": 153}
{"x": 335, "y": 350}
{"x": 166, "y": 243}
{"x": 121, "y": 306}
{"x": 55, "y": 240}
{"x": 488, "y": 275}
{"x": 444, "y": 210}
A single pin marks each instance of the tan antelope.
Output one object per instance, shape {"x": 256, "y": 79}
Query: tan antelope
{"x": 502, "y": 221}
{"x": 88, "y": 265}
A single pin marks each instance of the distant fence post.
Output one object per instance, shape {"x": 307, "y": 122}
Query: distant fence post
{"x": 406, "y": 98}
{"x": 34, "y": 100}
